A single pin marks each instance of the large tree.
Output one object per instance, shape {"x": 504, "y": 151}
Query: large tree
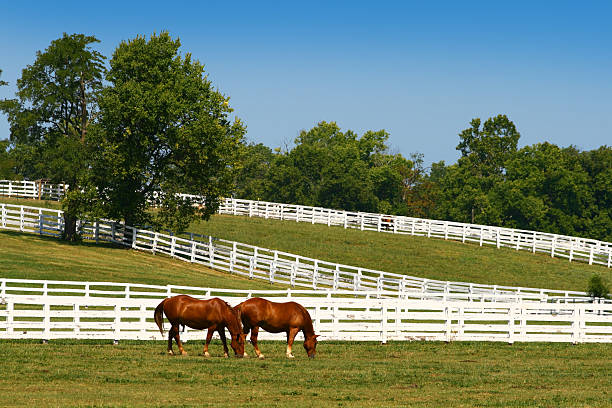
{"x": 484, "y": 153}
{"x": 50, "y": 118}
{"x": 163, "y": 130}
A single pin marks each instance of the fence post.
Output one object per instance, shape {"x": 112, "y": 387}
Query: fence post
{"x": 314, "y": 274}
{"x": 293, "y": 273}
{"x": 336, "y": 277}
{"x": 10, "y": 307}
{"x": 116, "y": 324}
{"x": 498, "y": 238}
{"x": 552, "y": 246}
{"x": 3, "y": 207}
{"x": 591, "y": 256}
{"x": 172, "y": 246}
{"x": 447, "y": 325}
{"x": 211, "y": 252}
{"x": 577, "y": 326}
{"x": 46, "y": 321}
{"x": 383, "y": 336}
{"x": 40, "y": 222}
{"x": 134, "y": 236}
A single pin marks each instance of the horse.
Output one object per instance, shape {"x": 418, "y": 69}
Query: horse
{"x": 213, "y": 314}
{"x": 275, "y": 317}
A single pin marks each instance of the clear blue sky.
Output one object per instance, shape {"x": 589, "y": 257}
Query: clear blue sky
{"x": 421, "y": 70}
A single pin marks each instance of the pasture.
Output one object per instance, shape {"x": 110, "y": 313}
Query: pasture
{"x": 416, "y": 256}
{"x": 349, "y": 374}
{"x": 361, "y": 374}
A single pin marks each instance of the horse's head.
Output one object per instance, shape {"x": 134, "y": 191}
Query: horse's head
{"x": 310, "y": 344}
{"x": 238, "y": 336}
{"x": 237, "y": 343}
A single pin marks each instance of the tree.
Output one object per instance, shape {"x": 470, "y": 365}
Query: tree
{"x": 163, "y": 130}
{"x": 50, "y": 118}
{"x": 484, "y": 152}
{"x": 253, "y": 172}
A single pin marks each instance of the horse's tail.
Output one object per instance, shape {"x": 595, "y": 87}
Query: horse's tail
{"x": 159, "y": 316}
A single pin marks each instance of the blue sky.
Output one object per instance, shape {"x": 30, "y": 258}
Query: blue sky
{"x": 421, "y": 70}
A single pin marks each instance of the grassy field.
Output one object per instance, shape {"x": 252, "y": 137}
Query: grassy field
{"x": 416, "y": 256}
{"x": 29, "y": 256}
{"x": 73, "y": 373}
{"x": 344, "y": 374}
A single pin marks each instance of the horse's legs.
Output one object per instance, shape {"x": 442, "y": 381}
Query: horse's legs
{"x": 175, "y": 331}
{"x": 254, "y": 332}
{"x": 245, "y": 330}
{"x": 170, "y": 337}
{"x": 221, "y": 331}
{"x": 209, "y": 335}
{"x": 291, "y": 333}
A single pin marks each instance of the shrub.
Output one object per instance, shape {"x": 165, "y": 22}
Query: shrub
{"x": 597, "y": 287}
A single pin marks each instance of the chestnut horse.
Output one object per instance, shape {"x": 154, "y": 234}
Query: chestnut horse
{"x": 213, "y": 314}
{"x": 275, "y": 317}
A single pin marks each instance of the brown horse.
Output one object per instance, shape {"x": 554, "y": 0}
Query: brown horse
{"x": 213, "y": 314}
{"x": 275, "y": 317}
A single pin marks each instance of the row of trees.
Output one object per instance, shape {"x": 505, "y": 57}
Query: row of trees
{"x": 540, "y": 187}
{"x": 150, "y": 125}
{"x": 145, "y": 128}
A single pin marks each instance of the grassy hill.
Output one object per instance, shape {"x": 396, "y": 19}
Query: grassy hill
{"x": 28, "y": 256}
{"x": 416, "y": 256}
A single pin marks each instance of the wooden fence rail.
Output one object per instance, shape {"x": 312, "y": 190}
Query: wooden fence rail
{"x": 335, "y": 318}
{"x": 560, "y": 246}
{"x": 262, "y": 263}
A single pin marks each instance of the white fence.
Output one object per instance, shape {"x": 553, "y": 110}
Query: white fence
{"x": 560, "y": 246}
{"x": 261, "y": 263}
{"x": 39, "y": 190}
{"x": 95, "y": 310}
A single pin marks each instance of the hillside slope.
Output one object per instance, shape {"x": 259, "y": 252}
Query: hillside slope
{"x": 29, "y": 256}
{"x": 416, "y": 256}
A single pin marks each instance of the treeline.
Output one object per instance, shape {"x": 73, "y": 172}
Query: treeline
{"x": 150, "y": 124}
{"x": 541, "y": 187}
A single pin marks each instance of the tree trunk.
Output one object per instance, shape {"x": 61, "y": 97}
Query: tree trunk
{"x": 70, "y": 228}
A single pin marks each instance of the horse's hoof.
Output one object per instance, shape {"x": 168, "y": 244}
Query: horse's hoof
{"x": 261, "y": 356}
{"x": 245, "y": 355}
{"x": 207, "y": 354}
{"x": 170, "y": 352}
{"x": 290, "y": 356}
{"x": 225, "y": 355}
{"x": 183, "y": 353}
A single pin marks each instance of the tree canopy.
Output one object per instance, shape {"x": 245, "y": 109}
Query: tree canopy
{"x": 163, "y": 130}
{"x": 49, "y": 119}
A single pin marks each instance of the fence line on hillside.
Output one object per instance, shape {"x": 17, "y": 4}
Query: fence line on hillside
{"x": 334, "y": 318}
{"x": 256, "y": 262}
{"x": 558, "y": 246}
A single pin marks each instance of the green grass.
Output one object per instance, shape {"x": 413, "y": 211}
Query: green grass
{"x": 345, "y": 374}
{"x": 29, "y": 256}
{"x": 416, "y": 256}
{"x": 416, "y": 374}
